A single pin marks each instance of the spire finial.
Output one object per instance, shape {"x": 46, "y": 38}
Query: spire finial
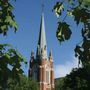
{"x": 42, "y": 5}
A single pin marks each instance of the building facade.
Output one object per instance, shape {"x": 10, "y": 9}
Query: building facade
{"x": 41, "y": 66}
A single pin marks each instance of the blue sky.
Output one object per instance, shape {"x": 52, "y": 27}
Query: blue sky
{"x": 28, "y": 15}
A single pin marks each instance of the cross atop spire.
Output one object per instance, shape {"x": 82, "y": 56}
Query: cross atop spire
{"x": 41, "y": 48}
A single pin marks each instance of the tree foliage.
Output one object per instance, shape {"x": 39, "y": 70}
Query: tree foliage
{"x": 10, "y": 59}
{"x": 6, "y": 17}
{"x": 78, "y": 79}
{"x": 59, "y": 82}
{"x": 79, "y": 11}
{"x": 10, "y": 64}
{"x": 23, "y": 84}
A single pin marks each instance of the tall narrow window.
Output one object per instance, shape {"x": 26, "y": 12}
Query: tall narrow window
{"x": 35, "y": 73}
{"x": 48, "y": 76}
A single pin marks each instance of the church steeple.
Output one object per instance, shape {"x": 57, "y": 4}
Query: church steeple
{"x": 41, "y": 67}
{"x": 41, "y": 48}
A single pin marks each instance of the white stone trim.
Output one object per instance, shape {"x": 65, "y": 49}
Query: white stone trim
{"x": 52, "y": 84}
{"x": 43, "y": 82}
{"x": 40, "y": 66}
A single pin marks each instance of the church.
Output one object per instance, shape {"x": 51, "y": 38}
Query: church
{"x": 41, "y": 66}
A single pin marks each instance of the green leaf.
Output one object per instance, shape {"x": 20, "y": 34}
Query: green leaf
{"x": 70, "y": 13}
{"x": 85, "y": 2}
{"x": 80, "y": 15}
{"x": 8, "y": 19}
{"x": 63, "y": 32}
{"x": 14, "y": 24}
{"x": 7, "y": 56}
{"x": 3, "y": 27}
{"x": 58, "y": 8}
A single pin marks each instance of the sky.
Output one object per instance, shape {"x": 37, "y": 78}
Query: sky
{"x": 28, "y": 15}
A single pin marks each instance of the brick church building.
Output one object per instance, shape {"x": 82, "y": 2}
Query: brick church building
{"x": 41, "y": 66}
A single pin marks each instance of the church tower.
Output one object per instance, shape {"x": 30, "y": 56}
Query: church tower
{"x": 41, "y": 66}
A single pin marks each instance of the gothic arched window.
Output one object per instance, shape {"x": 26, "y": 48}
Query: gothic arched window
{"x": 35, "y": 72}
{"x": 48, "y": 76}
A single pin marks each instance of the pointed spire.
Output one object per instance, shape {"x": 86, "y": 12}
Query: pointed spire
{"x": 41, "y": 48}
{"x": 50, "y": 55}
{"x": 32, "y": 53}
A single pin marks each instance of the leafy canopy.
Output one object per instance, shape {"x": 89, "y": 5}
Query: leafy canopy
{"x": 25, "y": 83}
{"x": 10, "y": 59}
{"x": 6, "y": 17}
{"x": 79, "y": 11}
{"x": 10, "y": 63}
{"x": 76, "y": 9}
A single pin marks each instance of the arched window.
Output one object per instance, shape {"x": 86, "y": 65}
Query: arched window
{"x": 47, "y": 76}
{"x": 35, "y": 72}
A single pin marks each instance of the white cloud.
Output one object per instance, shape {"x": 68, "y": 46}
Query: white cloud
{"x": 62, "y": 69}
